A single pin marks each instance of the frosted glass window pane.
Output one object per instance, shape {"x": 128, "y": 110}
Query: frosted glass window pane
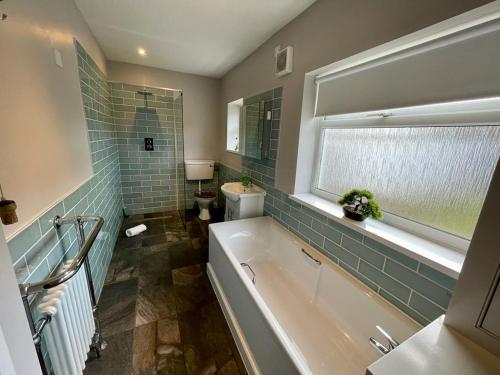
{"x": 437, "y": 176}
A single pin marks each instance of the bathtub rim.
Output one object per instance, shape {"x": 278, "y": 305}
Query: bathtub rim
{"x": 271, "y": 320}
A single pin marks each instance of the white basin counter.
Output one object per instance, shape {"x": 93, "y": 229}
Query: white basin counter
{"x": 235, "y": 191}
{"x": 302, "y": 316}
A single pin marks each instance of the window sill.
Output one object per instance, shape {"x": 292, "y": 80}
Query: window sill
{"x": 233, "y": 152}
{"x": 446, "y": 260}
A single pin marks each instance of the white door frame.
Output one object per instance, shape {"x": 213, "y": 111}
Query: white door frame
{"x": 17, "y": 352}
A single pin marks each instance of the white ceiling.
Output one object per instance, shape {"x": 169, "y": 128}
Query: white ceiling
{"x": 206, "y": 37}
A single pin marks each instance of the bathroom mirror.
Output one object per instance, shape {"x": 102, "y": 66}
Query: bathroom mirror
{"x": 256, "y": 128}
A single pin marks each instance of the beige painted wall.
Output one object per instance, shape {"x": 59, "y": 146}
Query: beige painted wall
{"x": 44, "y": 152}
{"x": 200, "y": 101}
{"x": 328, "y": 31}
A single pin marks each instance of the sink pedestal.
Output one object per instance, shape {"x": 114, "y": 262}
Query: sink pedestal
{"x": 244, "y": 208}
{"x": 243, "y": 202}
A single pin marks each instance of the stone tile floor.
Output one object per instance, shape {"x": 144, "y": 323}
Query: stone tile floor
{"x": 158, "y": 311}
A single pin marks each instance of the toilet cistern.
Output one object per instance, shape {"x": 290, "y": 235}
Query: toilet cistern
{"x": 201, "y": 170}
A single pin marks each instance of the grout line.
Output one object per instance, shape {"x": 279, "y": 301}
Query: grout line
{"x": 418, "y": 273}
{"x": 408, "y": 306}
{"x": 428, "y": 300}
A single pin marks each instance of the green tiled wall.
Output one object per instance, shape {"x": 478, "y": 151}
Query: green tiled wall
{"x": 103, "y": 195}
{"x": 149, "y": 178}
{"x": 39, "y": 249}
{"x": 418, "y": 290}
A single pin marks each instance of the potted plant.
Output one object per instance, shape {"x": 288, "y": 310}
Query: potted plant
{"x": 245, "y": 181}
{"x": 359, "y": 204}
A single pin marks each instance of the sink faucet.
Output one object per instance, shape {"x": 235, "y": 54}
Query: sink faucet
{"x": 381, "y": 348}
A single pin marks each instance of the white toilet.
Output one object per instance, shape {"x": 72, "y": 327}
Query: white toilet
{"x": 201, "y": 170}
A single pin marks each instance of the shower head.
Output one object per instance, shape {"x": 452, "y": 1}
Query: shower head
{"x": 145, "y": 93}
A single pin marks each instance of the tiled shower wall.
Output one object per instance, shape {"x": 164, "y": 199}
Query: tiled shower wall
{"x": 40, "y": 249}
{"x": 418, "y": 290}
{"x": 149, "y": 178}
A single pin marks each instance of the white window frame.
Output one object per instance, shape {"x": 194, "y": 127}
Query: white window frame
{"x": 479, "y": 112}
{"x": 231, "y": 123}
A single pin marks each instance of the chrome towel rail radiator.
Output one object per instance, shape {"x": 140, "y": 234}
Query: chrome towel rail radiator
{"x": 67, "y": 273}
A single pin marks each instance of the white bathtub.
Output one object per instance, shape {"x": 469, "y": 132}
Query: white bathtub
{"x": 300, "y": 317}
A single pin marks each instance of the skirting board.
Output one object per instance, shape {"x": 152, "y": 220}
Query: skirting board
{"x": 241, "y": 342}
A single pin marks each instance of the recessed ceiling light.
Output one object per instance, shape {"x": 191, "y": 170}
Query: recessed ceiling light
{"x": 141, "y": 51}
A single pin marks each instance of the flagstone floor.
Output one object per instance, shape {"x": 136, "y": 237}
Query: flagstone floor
{"x": 158, "y": 311}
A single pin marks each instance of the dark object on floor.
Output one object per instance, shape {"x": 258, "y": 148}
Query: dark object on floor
{"x": 217, "y": 214}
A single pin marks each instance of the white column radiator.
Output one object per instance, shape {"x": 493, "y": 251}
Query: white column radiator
{"x": 69, "y": 333}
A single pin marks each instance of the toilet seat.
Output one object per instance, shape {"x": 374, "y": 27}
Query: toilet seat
{"x": 205, "y": 194}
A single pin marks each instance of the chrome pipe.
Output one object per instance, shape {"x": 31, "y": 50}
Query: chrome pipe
{"x": 59, "y": 221}
{"x": 393, "y": 344}
{"x": 378, "y": 346}
{"x": 98, "y": 342}
{"x": 33, "y": 288}
{"x": 39, "y": 326}
{"x": 81, "y": 236}
{"x": 37, "y": 343}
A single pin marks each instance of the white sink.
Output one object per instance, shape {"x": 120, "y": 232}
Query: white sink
{"x": 243, "y": 202}
{"x": 235, "y": 191}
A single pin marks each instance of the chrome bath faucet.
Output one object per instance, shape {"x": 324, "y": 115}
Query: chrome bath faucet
{"x": 381, "y": 348}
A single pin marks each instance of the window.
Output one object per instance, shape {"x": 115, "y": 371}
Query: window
{"x": 429, "y": 167}
{"x": 233, "y": 125}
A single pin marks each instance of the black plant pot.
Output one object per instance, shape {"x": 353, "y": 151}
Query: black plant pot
{"x": 352, "y": 214}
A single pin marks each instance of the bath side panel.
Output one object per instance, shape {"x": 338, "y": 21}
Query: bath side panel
{"x": 266, "y": 348}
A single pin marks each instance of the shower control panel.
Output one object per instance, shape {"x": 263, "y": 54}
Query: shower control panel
{"x": 148, "y": 144}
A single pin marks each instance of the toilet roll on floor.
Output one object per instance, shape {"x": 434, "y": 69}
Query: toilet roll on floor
{"x": 135, "y": 230}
